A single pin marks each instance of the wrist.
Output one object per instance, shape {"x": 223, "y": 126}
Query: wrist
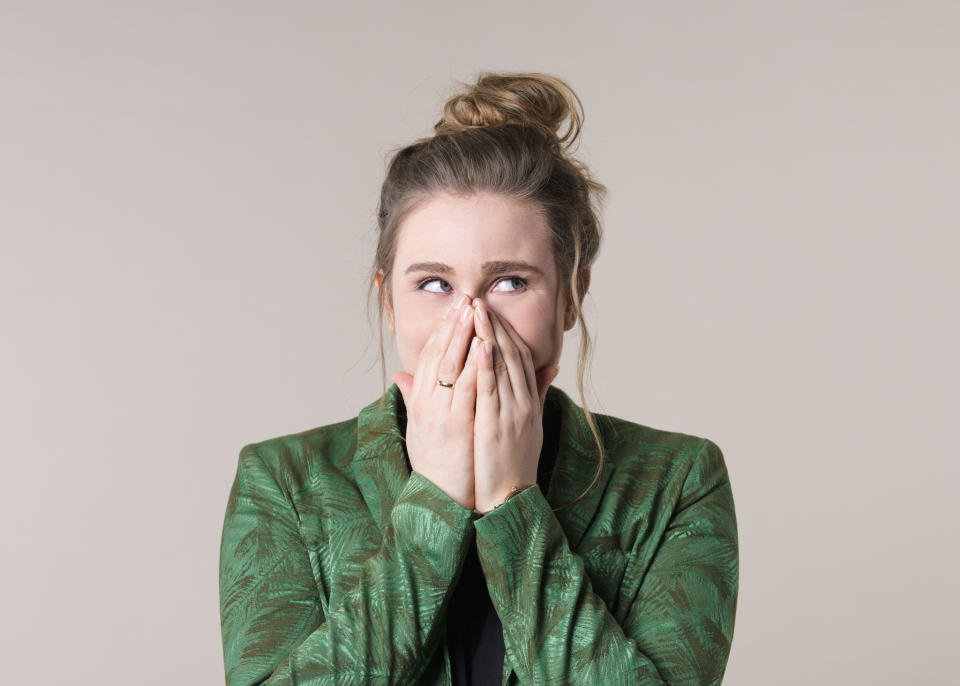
{"x": 497, "y": 503}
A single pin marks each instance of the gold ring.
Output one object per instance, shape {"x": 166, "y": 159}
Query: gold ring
{"x": 444, "y": 384}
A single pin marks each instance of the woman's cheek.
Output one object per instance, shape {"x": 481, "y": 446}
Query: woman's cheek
{"x": 409, "y": 345}
{"x": 415, "y": 325}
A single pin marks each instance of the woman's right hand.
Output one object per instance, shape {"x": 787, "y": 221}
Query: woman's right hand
{"x": 439, "y": 432}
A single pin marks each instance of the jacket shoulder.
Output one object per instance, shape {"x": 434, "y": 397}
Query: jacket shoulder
{"x": 297, "y": 459}
{"x": 636, "y": 448}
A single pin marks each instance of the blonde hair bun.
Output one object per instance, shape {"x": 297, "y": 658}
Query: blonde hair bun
{"x": 527, "y": 99}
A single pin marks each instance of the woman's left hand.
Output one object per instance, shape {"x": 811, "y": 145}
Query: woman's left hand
{"x": 508, "y": 427}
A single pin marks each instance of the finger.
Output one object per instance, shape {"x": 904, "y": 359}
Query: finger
{"x": 525, "y": 355}
{"x": 482, "y": 321}
{"x": 434, "y": 348}
{"x": 488, "y": 401}
{"x": 465, "y": 390}
{"x": 512, "y": 381}
{"x": 486, "y": 331}
{"x": 422, "y": 368}
{"x": 452, "y": 361}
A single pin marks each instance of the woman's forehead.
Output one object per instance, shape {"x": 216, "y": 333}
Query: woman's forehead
{"x": 471, "y": 230}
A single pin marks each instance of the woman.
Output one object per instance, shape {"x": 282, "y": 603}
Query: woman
{"x": 474, "y": 525}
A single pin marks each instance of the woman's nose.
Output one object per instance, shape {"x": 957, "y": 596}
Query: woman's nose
{"x": 483, "y": 303}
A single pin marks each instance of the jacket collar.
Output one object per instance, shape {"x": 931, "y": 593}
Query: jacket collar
{"x": 381, "y": 467}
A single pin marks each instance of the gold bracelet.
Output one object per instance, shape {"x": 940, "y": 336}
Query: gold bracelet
{"x": 513, "y": 492}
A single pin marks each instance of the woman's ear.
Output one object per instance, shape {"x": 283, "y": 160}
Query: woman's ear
{"x": 388, "y": 310}
{"x": 570, "y": 314}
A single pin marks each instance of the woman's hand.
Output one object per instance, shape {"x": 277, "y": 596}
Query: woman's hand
{"x": 440, "y": 421}
{"x": 508, "y": 427}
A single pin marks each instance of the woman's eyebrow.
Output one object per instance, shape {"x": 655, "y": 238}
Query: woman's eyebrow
{"x": 488, "y": 268}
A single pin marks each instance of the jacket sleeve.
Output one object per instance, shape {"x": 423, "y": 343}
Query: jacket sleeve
{"x": 679, "y": 624}
{"x": 386, "y": 628}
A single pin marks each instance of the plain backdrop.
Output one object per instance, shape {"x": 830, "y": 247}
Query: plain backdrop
{"x": 187, "y": 198}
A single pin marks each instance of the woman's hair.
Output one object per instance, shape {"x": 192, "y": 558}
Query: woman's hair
{"x": 502, "y": 135}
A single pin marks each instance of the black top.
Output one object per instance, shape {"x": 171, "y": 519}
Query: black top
{"x": 474, "y": 632}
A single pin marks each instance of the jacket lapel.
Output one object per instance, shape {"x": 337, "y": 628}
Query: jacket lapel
{"x": 381, "y": 466}
{"x": 577, "y": 466}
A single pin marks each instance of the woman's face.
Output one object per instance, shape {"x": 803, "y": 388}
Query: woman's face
{"x": 486, "y": 246}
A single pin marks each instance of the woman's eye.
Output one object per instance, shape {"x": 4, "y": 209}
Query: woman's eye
{"x": 516, "y": 281}
{"x": 445, "y": 286}
{"x": 437, "y": 285}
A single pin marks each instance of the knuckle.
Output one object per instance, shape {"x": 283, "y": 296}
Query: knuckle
{"x": 446, "y": 369}
{"x": 521, "y": 426}
{"x": 510, "y": 350}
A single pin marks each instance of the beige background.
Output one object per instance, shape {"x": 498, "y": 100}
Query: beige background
{"x": 187, "y": 193}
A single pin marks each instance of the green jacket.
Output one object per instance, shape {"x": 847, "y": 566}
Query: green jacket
{"x": 337, "y": 562}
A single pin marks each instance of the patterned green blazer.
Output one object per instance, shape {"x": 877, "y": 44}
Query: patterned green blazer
{"x": 337, "y": 562}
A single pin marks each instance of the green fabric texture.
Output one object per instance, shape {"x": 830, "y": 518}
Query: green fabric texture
{"x": 337, "y": 562}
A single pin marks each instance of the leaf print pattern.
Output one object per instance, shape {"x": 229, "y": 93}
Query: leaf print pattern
{"x": 337, "y": 562}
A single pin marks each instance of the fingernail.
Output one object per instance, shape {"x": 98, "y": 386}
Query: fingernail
{"x": 461, "y": 301}
{"x": 480, "y": 311}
